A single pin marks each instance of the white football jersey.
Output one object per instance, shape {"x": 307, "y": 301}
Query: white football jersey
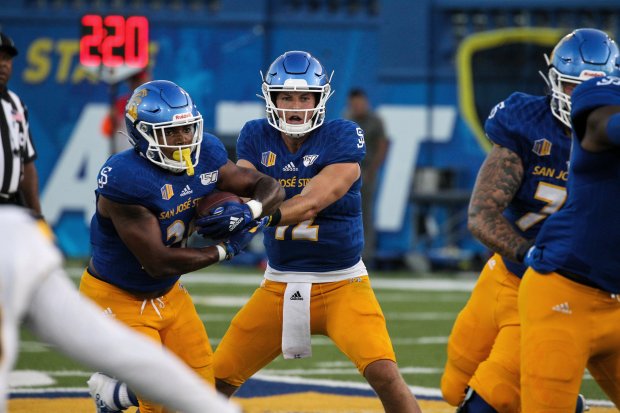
{"x": 27, "y": 256}
{"x": 35, "y": 290}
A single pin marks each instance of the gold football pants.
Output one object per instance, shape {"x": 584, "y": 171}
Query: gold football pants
{"x": 566, "y": 327}
{"x": 483, "y": 348}
{"x": 171, "y": 320}
{"x": 346, "y": 311}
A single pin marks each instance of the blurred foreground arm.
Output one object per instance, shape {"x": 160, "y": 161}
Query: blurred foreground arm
{"x": 60, "y": 316}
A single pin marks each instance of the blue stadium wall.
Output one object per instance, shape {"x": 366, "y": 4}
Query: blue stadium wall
{"x": 414, "y": 58}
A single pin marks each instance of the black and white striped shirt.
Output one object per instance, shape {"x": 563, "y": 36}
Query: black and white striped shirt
{"x": 17, "y": 146}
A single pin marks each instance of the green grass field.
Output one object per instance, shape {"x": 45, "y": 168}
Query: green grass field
{"x": 419, "y": 310}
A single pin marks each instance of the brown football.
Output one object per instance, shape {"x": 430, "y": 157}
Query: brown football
{"x": 213, "y": 200}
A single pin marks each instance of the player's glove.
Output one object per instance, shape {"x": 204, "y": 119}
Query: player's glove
{"x": 240, "y": 240}
{"x": 533, "y": 258}
{"x": 225, "y": 220}
{"x": 523, "y": 249}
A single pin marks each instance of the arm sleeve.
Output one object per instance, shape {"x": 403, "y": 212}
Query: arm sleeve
{"x": 347, "y": 144}
{"x": 60, "y": 316}
{"x": 114, "y": 184}
{"x": 245, "y": 145}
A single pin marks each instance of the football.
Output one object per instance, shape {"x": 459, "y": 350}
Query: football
{"x": 213, "y": 200}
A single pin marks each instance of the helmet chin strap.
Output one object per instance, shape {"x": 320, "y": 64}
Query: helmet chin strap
{"x": 185, "y": 154}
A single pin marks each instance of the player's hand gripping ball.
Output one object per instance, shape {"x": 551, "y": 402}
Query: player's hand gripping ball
{"x": 221, "y": 214}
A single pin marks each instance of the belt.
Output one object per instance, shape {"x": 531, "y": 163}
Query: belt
{"x": 9, "y": 199}
{"x": 578, "y": 278}
{"x": 142, "y": 295}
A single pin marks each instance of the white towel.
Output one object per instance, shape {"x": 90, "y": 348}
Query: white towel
{"x": 296, "y": 321}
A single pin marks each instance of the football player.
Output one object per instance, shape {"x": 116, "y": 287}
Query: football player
{"x": 521, "y": 182}
{"x": 35, "y": 291}
{"x": 315, "y": 281}
{"x": 146, "y": 200}
{"x": 569, "y": 302}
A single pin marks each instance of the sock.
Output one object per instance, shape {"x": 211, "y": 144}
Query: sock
{"x": 126, "y": 398}
{"x": 473, "y": 403}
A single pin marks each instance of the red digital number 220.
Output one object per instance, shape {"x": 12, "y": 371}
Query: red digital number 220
{"x": 113, "y": 41}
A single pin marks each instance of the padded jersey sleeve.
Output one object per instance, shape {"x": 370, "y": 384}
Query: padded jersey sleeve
{"x": 213, "y": 151}
{"x": 346, "y": 143}
{"x": 505, "y": 121}
{"x": 590, "y": 95}
{"x": 123, "y": 180}
{"x": 246, "y": 142}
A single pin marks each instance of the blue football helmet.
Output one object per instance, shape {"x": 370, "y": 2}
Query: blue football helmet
{"x": 296, "y": 71}
{"x": 155, "y": 107}
{"x": 579, "y": 56}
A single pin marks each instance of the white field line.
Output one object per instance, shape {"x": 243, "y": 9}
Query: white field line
{"x": 227, "y": 317}
{"x": 269, "y": 375}
{"x": 325, "y": 341}
{"x": 380, "y": 283}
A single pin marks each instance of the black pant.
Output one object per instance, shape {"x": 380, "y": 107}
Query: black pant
{"x": 12, "y": 199}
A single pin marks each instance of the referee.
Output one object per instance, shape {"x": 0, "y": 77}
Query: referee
{"x": 19, "y": 181}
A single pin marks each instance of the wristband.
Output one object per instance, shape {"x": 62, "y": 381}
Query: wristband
{"x": 256, "y": 207}
{"x": 523, "y": 249}
{"x": 613, "y": 129}
{"x": 221, "y": 250}
{"x": 274, "y": 219}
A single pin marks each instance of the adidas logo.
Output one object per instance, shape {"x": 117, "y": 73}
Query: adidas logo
{"x": 296, "y": 296}
{"x": 562, "y": 308}
{"x": 234, "y": 221}
{"x": 186, "y": 191}
{"x": 290, "y": 167}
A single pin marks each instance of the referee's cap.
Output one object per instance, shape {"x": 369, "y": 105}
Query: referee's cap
{"x": 7, "y": 44}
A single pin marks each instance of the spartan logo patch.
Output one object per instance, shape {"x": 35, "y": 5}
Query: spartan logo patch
{"x": 309, "y": 159}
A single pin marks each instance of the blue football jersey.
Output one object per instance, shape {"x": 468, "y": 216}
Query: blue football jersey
{"x": 583, "y": 237}
{"x": 128, "y": 178}
{"x": 525, "y": 125}
{"x": 334, "y": 239}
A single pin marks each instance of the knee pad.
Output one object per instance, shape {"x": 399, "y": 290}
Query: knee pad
{"x": 453, "y": 389}
{"x": 473, "y": 403}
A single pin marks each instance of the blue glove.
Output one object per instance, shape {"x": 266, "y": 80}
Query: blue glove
{"x": 225, "y": 220}
{"x": 533, "y": 258}
{"x": 241, "y": 239}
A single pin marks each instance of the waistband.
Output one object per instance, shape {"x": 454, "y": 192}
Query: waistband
{"x": 12, "y": 199}
{"x": 141, "y": 295}
{"x": 578, "y": 278}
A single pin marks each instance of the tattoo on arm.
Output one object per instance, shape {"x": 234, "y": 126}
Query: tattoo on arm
{"x": 498, "y": 181}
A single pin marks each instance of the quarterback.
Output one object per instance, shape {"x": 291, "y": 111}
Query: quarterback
{"x": 315, "y": 281}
